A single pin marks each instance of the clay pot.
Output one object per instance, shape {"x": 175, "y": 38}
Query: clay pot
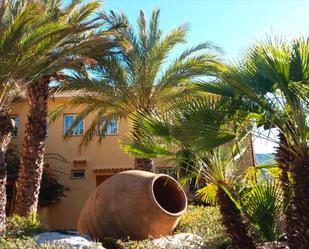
{"x": 135, "y": 204}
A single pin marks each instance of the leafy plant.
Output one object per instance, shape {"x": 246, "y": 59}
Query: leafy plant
{"x": 18, "y": 227}
{"x": 263, "y": 205}
{"x": 130, "y": 244}
{"x": 205, "y": 222}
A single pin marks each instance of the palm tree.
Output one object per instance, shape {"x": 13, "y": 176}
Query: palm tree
{"x": 69, "y": 40}
{"x": 200, "y": 134}
{"x": 220, "y": 171}
{"x": 274, "y": 76}
{"x": 14, "y": 32}
{"x": 144, "y": 78}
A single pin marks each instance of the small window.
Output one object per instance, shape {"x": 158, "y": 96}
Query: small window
{"x": 78, "y": 128}
{"x": 77, "y": 174}
{"x": 109, "y": 127}
{"x": 15, "y": 123}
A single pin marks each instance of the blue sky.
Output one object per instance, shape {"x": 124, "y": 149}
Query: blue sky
{"x": 231, "y": 24}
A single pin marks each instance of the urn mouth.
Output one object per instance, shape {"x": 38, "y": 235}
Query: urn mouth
{"x": 168, "y": 195}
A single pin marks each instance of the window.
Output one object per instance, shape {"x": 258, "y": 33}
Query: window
{"x": 78, "y": 128}
{"x": 109, "y": 127}
{"x": 77, "y": 174}
{"x": 15, "y": 123}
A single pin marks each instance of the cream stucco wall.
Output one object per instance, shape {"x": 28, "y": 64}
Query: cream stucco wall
{"x": 106, "y": 155}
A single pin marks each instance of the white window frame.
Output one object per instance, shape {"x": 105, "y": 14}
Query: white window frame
{"x": 74, "y": 130}
{"x": 78, "y": 171}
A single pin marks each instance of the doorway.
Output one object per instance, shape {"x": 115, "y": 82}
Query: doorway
{"x": 101, "y": 178}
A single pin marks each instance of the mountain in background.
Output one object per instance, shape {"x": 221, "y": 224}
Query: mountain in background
{"x": 264, "y": 158}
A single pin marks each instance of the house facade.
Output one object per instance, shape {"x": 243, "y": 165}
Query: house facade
{"x": 84, "y": 170}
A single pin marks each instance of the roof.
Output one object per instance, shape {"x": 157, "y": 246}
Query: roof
{"x": 111, "y": 170}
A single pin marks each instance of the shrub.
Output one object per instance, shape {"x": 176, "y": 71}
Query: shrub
{"x": 19, "y": 227}
{"x": 145, "y": 244}
{"x": 14, "y": 243}
{"x": 19, "y": 234}
{"x": 205, "y": 222}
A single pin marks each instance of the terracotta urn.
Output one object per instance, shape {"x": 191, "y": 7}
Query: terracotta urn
{"x": 135, "y": 204}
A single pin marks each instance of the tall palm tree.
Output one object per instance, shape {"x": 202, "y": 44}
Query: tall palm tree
{"x": 144, "y": 78}
{"x": 14, "y": 32}
{"x": 274, "y": 76}
{"x": 199, "y": 134}
{"x": 70, "y": 39}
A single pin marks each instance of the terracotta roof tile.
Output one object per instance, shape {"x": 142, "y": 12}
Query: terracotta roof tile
{"x": 112, "y": 170}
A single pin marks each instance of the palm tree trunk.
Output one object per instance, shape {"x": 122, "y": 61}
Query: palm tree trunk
{"x": 5, "y": 138}
{"x": 234, "y": 224}
{"x": 298, "y": 223}
{"x": 297, "y": 212}
{"x": 284, "y": 157}
{"x": 145, "y": 164}
{"x": 32, "y": 153}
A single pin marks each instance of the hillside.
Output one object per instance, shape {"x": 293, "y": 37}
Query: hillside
{"x": 264, "y": 158}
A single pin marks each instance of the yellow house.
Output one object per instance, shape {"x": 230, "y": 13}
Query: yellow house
{"x": 85, "y": 170}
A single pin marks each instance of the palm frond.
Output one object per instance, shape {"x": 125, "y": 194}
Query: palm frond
{"x": 269, "y": 76}
{"x": 208, "y": 193}
{"x": 263, "y": 206}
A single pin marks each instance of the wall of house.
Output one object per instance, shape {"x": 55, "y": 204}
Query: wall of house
{"x": 106, "y": 155}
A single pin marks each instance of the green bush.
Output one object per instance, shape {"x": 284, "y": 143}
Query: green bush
{"x": 17, "y": 232}
{"x": 145, "y": 244}
{"x": 17, "y": 226}
{"x": 205, "y": 222}
{"x": 131, "y": 244}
